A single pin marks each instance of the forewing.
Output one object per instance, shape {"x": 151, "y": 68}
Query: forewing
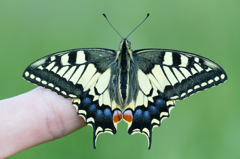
{"x": 69, "y": 73}
{"x": 82, "y": 75}
{"x": 179, "y": 74}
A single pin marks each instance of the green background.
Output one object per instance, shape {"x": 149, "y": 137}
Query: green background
{"x": 205, "y": 125}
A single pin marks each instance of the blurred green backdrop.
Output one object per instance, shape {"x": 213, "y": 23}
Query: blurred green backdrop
{"x": 205, "y": 125}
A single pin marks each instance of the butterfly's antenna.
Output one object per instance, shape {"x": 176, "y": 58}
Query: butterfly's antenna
{"x": 138, "y": 25}
{"x": 111, "y": 25}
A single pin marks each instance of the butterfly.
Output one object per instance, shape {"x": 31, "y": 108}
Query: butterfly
{"x": 137, "y": 86}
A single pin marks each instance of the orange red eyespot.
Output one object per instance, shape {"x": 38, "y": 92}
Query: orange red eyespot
{"x": 117, "y": 116}
{"x": 128, "y": 116}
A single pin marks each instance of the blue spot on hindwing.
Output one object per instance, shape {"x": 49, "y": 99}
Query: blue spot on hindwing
{"x": 152, "y": 109}
{"x": 107, "y": 114}
{"x": 146, "y": 116}
{"x": 93, "y": 108}
{"x": 86, "y": 101}
{"x": 99, "y": 115}
{"x": 159, "y": 103}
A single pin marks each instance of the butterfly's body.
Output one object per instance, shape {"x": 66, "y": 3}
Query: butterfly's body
{"x": 121, "y": 69}
{"x": 138, "y": 86}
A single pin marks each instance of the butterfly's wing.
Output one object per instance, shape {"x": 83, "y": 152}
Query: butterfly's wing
{"x": 82, "y": 75}
{"x": 163, "y": 77}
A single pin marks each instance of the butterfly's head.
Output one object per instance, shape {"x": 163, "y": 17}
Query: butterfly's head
{"x": 125, "y": 44}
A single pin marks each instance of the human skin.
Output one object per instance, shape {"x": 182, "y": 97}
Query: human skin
{"x": 34, "y": 118}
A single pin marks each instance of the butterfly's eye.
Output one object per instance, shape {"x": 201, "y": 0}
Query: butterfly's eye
{"x": 129, "y": 42}
{"x": 120, "y": 42}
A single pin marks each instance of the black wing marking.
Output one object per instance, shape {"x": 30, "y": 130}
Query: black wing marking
{"x": 179, "y": 74}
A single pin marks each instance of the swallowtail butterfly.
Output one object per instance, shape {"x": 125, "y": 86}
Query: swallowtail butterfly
{"x": 138, "y": 86}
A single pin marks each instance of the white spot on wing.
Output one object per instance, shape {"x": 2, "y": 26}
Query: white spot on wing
{"x": 193, "y": 71}
{"x": 183, "y": 94}
{"x": 144, "y": 82}
{"x": 90, "y": 120}
{"x": 174, "y": 97}
{"x": 87, "y": 75}
{"x": 185, "y": 72}
{"x": 184, "y": 61}
{"x": 63, "y": 92}
{"x": 82, "y": 112}
{"x": 168, "y": 59}
{"x": 99, "y": 129}
{"x": 64, "y": 59}
{"x": 32, "y": 76}
{"x": 216, "y": 78}
{"x": 62, "y": 71}
{"x": 40, "y": 67}
{"x": 75, "y": 77}
{"x": 69, "y": 73}
{"x": 170, "y": 102}
{"x": 146, "y": 131}
{"x": 170, "y": 109}
{"x": 92, "y": 81}
{"x": 210, "y": 81}
{"x": 178, "y": 75}
{"x": 57, "y": 88}
{"x": 44, "y": 82}
{"x": 163, "y": 114}
{"x": 199, "y": 68}
{"x": 53, "y": 58}
{"x": 203, "y": 84}
{"x": 80, "y": 57}
{"x": 51, "y": 85}
{"x": 26, "y": 73}
{"x": 55, "y": 69}
{"x": 208, "y": 69}
{"x": 170, "y": 75}
{"x": 155, "y": 82}
{"x": 72, "y": 95}
{"x": 50, "y": 66}
{"x": 38, "y": 79}
{"x": 196, "y": 59}
{"x": 196, "y": 87}
{"x": 155, "y": 121}
{"x": 77, "y": 101}
{"x": 222, "y": 76}
{"x": 103, "y": 81}
{"x": 160, "y": 77}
